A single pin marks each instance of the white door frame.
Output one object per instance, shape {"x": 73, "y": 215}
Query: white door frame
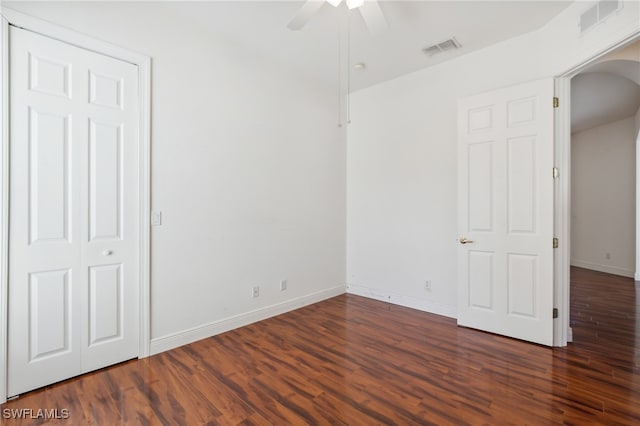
{"x": 562, "y": 214}
{"x": 143, "y": 62}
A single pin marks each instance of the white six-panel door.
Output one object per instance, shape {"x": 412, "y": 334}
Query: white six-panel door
{"x": 73, "y": 237}
{"x": 505, "y": 205}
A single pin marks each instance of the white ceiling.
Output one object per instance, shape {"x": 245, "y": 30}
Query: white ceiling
{"x": 606, "y": 92}
{"x": 261, "y": 27}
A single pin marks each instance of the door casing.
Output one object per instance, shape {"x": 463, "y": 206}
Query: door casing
{"x": 143, "y": 62}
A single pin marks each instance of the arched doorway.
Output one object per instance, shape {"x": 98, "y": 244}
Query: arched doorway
{"x": 605, "y": 190}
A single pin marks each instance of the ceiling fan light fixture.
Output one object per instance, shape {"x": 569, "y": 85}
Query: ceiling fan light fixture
{"x": 353, "y": 4}
{"x": 334, "y": 3}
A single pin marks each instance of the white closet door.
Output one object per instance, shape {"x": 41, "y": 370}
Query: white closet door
{"x": 73, "y": 237}
{"x": 505, "y": 205}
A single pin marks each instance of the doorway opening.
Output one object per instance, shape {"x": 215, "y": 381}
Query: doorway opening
{"x": 604, "y": 222}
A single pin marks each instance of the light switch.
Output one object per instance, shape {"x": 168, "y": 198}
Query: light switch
{"x": 156, "y": 218}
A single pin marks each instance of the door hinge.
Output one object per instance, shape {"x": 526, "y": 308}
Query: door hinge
{"x": 555, "y": 312}
{"x": 556, "y": 173}
{"x": 555, "y": 243}
{"x": 556, "y": 102}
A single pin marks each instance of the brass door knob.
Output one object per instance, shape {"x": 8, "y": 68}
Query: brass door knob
{"x": 463, "y": 240}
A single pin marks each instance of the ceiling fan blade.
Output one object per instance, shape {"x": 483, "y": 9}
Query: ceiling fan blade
{"x": 305, "y": 13}
{"x": 373, "y": 16}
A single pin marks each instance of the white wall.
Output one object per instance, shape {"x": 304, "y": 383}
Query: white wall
{"x": 603, "y": 198}
{"x": 402, "y": 170}
{"x": 248, "y": 169}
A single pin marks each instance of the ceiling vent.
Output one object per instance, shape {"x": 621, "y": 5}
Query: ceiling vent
{"x": 451, "y": 44}
{"x": 597, "y": 13}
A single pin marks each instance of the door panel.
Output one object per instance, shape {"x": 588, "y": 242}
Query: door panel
{"x": 521, "y": 179}
{"x": 480, "y": 285}
{"x": 73, "y": 207}
{"x": 52, "y": 77}
{"x": 521, "y": 285}
{"x": 105, "y": 91}
{"x": 506, "y": 212}
{"x": 49, "y": 313}
{"x": 105, "y": 304}
{"x": 49, "y": 177}
{"x": 480, "y": 187}
{"x": 521, "y": 111}
{"x": 105, "y": 180}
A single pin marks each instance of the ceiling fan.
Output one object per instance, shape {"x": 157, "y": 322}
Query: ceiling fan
{"x": 369, "y": 9}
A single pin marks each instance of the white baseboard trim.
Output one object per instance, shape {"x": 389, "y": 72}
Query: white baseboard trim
{"x": 569, "y": 335}
{"x": 636, "y": 276}
{"x": 603, "y": 268}
{"x": 406, "y": 301}
{"x": 161, "y": 344}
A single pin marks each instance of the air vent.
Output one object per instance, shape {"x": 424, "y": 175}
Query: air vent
{"x": 607, "y": 7}
{"x": 444, "y": 46}
{"x": 589, "y": 18}
{"x": 431, "y": 50}
{"x": 598, "y": 13}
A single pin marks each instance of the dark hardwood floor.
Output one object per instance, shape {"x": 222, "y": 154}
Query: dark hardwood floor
{"x": 354, "y": 361}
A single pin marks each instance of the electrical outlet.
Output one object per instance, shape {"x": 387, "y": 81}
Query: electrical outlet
{"x": 283, "y": 285}
{"x": 427, "y": 285}
{"x": 256, "y": 291}
{"x": 607, "y": 256}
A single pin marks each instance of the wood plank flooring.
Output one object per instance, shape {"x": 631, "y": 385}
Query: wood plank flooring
{"x": 354, "y": 361}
